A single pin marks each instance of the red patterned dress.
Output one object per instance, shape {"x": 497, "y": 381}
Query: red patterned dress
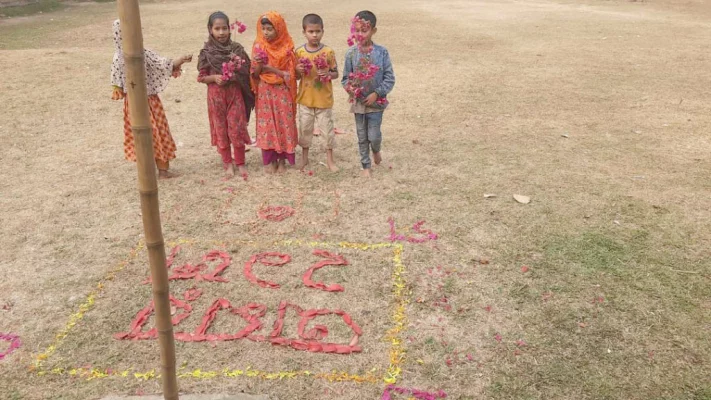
{"x": 277, "y": 135}
{"x": 228, "y": 121}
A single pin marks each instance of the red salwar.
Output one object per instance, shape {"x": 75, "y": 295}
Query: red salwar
{"x": 228, "y": 122}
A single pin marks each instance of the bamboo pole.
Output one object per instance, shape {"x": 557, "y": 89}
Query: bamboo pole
{"x": 132, "y": 39}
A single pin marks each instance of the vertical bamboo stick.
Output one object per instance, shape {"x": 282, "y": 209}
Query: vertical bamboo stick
{"x": 132, "y": 39}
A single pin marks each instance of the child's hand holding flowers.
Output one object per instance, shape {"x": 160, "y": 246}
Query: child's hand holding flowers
{"x": 323, "y": 75}
{"x": 218, "y": 80}
{"x": 260, "y": 56}
{"x": 322, "y": 68}
{"x": 371, "y": 99}
{"x": 303, "y": 67}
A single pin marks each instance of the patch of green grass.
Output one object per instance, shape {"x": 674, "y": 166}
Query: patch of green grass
{"x": 592, "y": 251}
{"x": 41, "y": 6}
{"x": 626, "y": 303}
{"x": 449, "y": 286}
{"x": 407, "y": 196}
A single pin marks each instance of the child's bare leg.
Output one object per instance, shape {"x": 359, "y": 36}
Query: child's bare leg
{"x": 229, "y": 170}
{"x": 306, "y": 131}
{"x": 270, "y": 168}
{"x": 330, "y": 161}
{"x": 281, "y": 168}
{"x": 242, "y": 169}
{"x": 239, "y": 158}
{"x": 304, "y": 159}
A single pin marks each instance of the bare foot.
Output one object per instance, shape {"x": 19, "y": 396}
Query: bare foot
{"x": 165, "y": 174}
{"x": 242, "y": 169}
{"x": 377, "y": 158}
{"x": 302, "y": 164}
{"x": 270, "y": 168}
{"x": 229, "y": 170}
{"x": 331, "y": 164}
{"x": 366, "y": 173}
{"x": 282, "y": 167}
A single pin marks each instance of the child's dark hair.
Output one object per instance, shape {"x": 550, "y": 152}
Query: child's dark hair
{"x": 312, "y": 19}
{"x": 368, "y": 16}
{"x": 215, "y": 16}
{"x": 266, "y": 21}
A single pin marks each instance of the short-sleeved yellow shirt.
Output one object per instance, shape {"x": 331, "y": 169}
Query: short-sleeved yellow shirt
{"x": 312, "y": 92}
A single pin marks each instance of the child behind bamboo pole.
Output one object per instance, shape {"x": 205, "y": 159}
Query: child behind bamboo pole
{"x": 158, "y": 72}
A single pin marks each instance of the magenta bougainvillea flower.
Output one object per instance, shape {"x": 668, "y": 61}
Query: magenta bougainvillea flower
{"x": 365, "y": 70}
{"x": 261, "y": 54}
{"x": 238, "y": 26}
{"x": 229, "y": 68}
{"x": 306, "y": 63}
{"x": 321, "y": 63}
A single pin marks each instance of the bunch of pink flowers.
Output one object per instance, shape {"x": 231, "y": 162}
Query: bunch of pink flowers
{"x": 261, "y": 54}
{"x": 321, "y": 63}
{"x": 363, "y": 72}
{"x": 306, "y": 63}
{"x": 355, "y": 37}
{"x": 238, "y": 26}
{"x": 229, "y": 68}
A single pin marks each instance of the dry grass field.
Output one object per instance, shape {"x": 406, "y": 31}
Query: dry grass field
{"x": 599, "y": 288}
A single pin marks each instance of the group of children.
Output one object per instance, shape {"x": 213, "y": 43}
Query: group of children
{"x": 267, "y": 82}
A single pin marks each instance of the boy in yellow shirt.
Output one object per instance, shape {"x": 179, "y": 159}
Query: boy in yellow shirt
{"x": 316, "y": 67}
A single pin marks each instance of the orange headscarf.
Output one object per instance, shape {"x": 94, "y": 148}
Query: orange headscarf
{"x": 280, "y": 51}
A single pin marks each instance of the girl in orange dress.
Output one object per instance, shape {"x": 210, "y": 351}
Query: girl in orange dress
{"x": 274, "y": 85}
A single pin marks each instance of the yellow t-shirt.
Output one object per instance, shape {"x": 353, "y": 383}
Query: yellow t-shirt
{"x": 312, "y": 92}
